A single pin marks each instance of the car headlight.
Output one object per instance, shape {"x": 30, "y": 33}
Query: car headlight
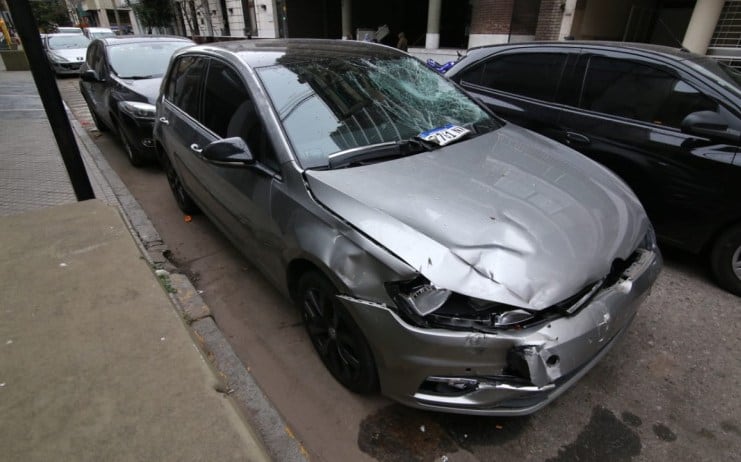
{"x": 649, "y": 239}
{"x": 425, "y": 305}
{"x": 138, "y": 109}
{"x": 426, "y": 298}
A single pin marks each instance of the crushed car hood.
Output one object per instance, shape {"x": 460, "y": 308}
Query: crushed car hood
{"x": 509, "y": 216}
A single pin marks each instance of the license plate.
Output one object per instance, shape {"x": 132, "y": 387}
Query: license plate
{"x": 444, "y": 135}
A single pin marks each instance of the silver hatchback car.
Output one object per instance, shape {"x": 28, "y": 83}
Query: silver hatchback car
{"x": 455, "y": 261}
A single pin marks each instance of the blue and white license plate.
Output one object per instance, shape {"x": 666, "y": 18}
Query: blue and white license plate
{"x": 444, "y": 135}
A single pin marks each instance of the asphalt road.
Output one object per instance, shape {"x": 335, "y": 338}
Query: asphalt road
{"x": 671, "y": 390}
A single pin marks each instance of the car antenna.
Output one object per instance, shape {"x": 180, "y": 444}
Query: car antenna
{"x": 674, "y": 37}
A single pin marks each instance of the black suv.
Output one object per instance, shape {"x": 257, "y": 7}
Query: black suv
{"x": 665, "y": 120}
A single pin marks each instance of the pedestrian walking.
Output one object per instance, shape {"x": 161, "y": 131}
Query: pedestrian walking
{"x": 402, "y": 44}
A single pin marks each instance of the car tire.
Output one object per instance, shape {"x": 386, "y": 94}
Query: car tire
{"x": 183, "y": 199}
{"x": 725, "y": 260}
{"x": 98, "y": 123}
{"x": 336, "y": 337}
{"x": 135, "y": 157}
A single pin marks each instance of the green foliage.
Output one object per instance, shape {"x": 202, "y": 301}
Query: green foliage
{"x": 153, "y": 13}
{"x": 49, "y": 14}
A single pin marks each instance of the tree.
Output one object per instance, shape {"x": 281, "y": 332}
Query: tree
{"x": 49, "y": 14}
{"x": 153, "y": 13}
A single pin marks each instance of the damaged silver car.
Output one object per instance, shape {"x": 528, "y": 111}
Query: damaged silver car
{"x": 452, "y": 260}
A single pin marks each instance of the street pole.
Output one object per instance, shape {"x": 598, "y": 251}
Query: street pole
{"x": 25, "y": 26}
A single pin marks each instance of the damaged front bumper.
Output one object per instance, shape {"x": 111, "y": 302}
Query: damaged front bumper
{"x": 510, "y": 372}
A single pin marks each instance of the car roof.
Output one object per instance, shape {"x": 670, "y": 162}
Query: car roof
{"x": 647, "y": 48}
{"x": 63, "y": 34}
{"x": 123, "y": 39}
{"x": 265, "y": 52}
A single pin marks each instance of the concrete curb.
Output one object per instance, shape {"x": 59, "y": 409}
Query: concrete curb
{"x": 259, "y": 413}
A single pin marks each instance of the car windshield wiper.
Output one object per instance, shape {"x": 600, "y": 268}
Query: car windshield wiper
{"x": 378, "y": 151}
{"x": 138, "y": 77}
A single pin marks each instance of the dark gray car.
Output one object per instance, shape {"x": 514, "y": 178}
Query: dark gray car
{"x": 457, "y": 262}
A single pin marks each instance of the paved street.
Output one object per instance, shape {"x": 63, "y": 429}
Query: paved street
{"x": 669, "y": 391}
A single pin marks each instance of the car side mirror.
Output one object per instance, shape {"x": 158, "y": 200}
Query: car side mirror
{"x": 91, "y": 76}
{"x": 231, "y": 151}
{"x": 709, "y": 124}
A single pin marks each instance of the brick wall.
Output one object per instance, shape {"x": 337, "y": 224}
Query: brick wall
{"x": 525, "y": 17}
{"x": 549, "y": 20}
{"x": 491, "y": 16}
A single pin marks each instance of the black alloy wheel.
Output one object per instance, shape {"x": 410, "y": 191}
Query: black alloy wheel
{"x": 185, "y": 202}
{"x": 135, "y": 157}
{"x": 336, "y": 337}
{"x": 725, "y": 260}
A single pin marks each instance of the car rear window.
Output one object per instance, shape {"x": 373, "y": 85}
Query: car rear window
{"x": 142, "y": 59}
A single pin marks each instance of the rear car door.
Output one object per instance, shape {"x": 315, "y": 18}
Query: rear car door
{"x": 628, "y": 118}
{"x": 522, "y": 85}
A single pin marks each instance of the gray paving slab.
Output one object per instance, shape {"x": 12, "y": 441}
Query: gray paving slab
{"x": 33, "y": 182}
{"x": 94, "y": 362}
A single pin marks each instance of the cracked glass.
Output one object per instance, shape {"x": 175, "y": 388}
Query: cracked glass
{"x": 330, "y": 105}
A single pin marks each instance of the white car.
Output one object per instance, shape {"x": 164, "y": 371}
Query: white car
{"x": 66, "y": 52}
{"x": 69, "y": 30}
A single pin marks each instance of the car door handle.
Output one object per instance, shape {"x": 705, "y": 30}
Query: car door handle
{"x": 164, "y": 121}
{"x": 196, "y": 148}
{"x": 576, "y": 138}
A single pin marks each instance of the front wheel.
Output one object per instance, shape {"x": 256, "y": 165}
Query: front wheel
{"x": 336, "y": 337}
{"x": 185, "y": 202}
{"x": 135, "y": 157}
{"x": 725, "y": 260}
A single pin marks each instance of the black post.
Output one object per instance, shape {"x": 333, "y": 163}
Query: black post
{"x": 25, "y": 26}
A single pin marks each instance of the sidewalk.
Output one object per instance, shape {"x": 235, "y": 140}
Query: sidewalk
{"x": 95, "y": 361}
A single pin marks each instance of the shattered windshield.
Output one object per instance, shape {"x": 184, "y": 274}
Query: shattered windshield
{"x": 330, "y": 105}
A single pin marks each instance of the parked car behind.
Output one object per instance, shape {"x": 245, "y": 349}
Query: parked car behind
{"x": 665, "y": 120}
{"x": 65, "y": 52}
{"x": 99, "y": 32}
{"x": 460, "y": 263}
{"x": 120, "y": 81}
{"x": 68, "y": 30}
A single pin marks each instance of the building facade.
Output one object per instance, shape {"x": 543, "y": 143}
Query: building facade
{"x": 439, "y": 28}
{"x": 115, "y": 14}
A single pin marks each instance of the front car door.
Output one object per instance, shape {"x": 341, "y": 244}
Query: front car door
{"x": 237, "y": 199}
{"x": 95, "y": 92}
{"x": 628, "y": 117}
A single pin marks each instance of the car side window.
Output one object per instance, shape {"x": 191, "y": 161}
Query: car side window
{"x": 92, "y": 57}
{"x": 224, "y": 93}
{"x": 534, "y": 75}
{"x": 637, "y": 91}
{"x": 184, "y": 84}
{"x": 229, "y": 111}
